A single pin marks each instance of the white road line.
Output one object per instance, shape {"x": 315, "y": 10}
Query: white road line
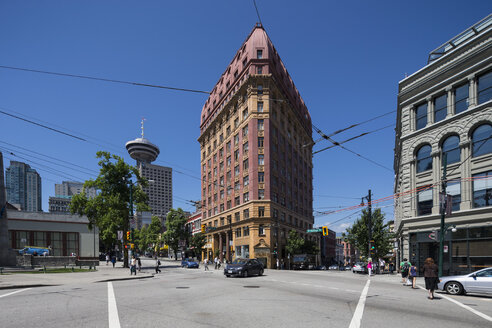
{"x": 357, "y": 318}
{"x": 114, "y": 320}
{"x": 480, "y": 314}
{"x": 17, "y": 291}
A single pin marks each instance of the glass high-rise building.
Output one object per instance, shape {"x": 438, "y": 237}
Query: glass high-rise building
{"x": 23, "y": 187}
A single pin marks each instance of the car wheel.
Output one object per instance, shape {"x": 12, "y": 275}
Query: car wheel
{"x": 260, "y": 273}
{"x": 454, "y": 288}
{"x": 245, "y": 273}
{"x": 228, "y": 275}
{"x": 353, "y": 271}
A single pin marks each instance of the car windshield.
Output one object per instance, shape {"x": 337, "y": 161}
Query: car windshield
{"x": 239, "y": 261}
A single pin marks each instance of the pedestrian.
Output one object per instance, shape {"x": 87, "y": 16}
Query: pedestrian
{"x": 107, "y": 258}
{"x": 205, "y": 264}
{"x": 382, "y": 263}
{"x": 216, "y": 262}
{"x": 219, "y": 262}
{"x": 133, "y": 265}
{"x": 431, "y": 276}
{"x": 413, "y": 275}
{"x": 139, "y": 263}
{"x": 404, "y": 268}
{"x": 369, "y": 266}
{"x": 113, "y": 260}
{"x": 157, "y": 265}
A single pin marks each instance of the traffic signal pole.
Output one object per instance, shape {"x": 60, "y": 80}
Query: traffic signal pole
{"x": 369, "y": 225}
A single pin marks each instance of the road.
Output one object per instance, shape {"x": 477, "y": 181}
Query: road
{"x": 194, "y": 298}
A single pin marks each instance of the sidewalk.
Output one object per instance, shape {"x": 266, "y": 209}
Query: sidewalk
{"x": 10, "y": 280}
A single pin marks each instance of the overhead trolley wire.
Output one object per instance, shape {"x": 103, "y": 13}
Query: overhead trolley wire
{"x": 104, "y": 79}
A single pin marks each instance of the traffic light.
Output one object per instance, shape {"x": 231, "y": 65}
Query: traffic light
{"x": 275, "y": 253}
{"x": 203, "y": 228}
{"x": 325, "y": 231}
{"x": 128, "y": 236}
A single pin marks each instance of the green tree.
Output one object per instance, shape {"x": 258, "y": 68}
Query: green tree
{"x": 358, "y": 234}
{"x": 141, "y": 239}
{"x": 197, "y": 242}
{"x": 175, "y": 229}
{"x": 310, "y": 247}
{"x": 154, "y": 232}
{"x": 109, "y": 210}
{"x": 295, "y": 243}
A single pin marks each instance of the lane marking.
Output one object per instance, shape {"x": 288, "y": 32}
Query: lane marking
{"x": 472, "y": 310}
{"x": 17, "y": 291}
{"x": 357, "y": 318}
{"x": 114, "y": 320}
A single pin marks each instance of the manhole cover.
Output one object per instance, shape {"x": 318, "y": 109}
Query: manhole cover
{"x": 251, "y": 286}
{"x": 182, "y": 287}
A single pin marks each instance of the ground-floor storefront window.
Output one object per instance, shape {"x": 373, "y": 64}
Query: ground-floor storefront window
{"x": 465, "y": 251}
{"x": 61, "y": 243}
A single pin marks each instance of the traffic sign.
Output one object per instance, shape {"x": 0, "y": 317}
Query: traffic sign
{"x": 314, "y": 230}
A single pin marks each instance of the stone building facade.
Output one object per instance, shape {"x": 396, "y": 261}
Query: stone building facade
{"x": 256, "y": 160}
{"x": 445, "y": 110}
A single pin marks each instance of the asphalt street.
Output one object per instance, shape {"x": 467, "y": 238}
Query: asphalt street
{"x": 195, "y": 298}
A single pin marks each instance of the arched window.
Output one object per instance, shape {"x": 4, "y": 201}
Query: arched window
{"x": 424, "y": 159}
{"x": 451, "y": 148}
{"x": 482, "y": 140}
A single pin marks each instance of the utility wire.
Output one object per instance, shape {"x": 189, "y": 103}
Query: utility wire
{"x": 350, "y": 139}
{"x": 257, "y": 12}
{"x": 335, "y": 143}
{"x": 42, "y": 125}
{"x": 103, "y": 79}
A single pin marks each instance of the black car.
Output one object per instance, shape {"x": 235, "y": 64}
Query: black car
{"x": 243, "y": 267}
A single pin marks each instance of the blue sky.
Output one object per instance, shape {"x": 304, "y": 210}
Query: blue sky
{"x": 346, "y": 59}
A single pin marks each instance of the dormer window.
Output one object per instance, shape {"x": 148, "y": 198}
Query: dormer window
{"x": 259, "y": 54}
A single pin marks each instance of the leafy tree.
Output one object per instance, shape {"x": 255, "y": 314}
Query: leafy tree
{"x": 141, "y": 239}
{"x": 197, "y": 242}
{"x": 175, "y": 224}
{"x": 358, "y": 234}
{"x": 295, "y": 243}
{"x": 154, "y": 231}
{"x": 109, "y": 210}
{"x": 310, "y": 247}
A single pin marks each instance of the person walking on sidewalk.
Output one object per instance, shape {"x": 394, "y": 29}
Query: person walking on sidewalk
{"x": 216, "y": 262}
{"x": 369, "y": 267}
{"x": 205, "y": 264}
{"x": 431, "y": 276}
{"x": 157, "y": 264}
{"x": 107, "y": 258}
{"x": 113, "y": 260}
{"x": 139, "y": 264}
{"x": 133, "y": 265}
{"x": 413, "y": 275}
{"x": 404, "y": 268}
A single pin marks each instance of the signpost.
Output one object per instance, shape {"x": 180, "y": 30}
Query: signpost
{"x": 314, "y": 230}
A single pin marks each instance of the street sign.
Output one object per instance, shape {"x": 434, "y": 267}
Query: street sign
{"x": 120, "y": 235}
{"x": 445, "y": 249}
{"x": 314, "y": 230}
{"x": 433, "y": 235}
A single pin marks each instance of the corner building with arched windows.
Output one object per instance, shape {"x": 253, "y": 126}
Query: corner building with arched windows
{"x": 445, "y": 108}
{"x": 256, "y": 158}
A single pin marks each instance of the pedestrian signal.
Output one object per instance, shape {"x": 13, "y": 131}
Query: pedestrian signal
{"x": 325, "y": 231}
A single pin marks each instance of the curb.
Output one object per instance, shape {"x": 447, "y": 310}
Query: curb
{"x": 126, "y": 278}
{"x": 27, "y": 286}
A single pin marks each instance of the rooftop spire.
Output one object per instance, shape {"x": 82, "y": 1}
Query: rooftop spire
{"x": 143, "y": 119}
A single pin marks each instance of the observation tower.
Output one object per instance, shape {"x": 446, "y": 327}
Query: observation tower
{"x": 142, "y": 150}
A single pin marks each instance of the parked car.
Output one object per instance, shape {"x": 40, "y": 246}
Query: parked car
{"x": 35, "y": 250}
{"x": 303, "y": 262}
{"x": 243, "y": 267}
{"x": 476, "y": 282}
{"x": 359, "y": 267}
{"x": 189, "y": 263}
{"x": 333, "y": 267}
{"x": 320, "y": 267}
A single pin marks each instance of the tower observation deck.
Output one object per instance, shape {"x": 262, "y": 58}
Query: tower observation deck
{"x": 141, "y": 149}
